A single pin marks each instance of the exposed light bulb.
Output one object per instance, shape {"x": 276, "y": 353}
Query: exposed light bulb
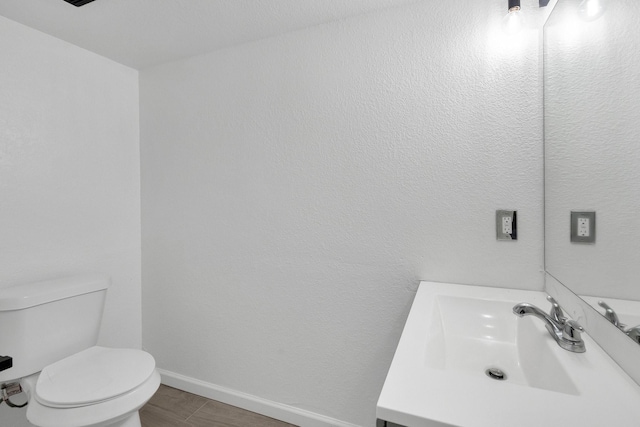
{"x": 514, "y": 21}
{"x": 590, "y": 10}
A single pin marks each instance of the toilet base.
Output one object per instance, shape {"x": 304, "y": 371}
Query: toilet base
{"x": 132, "y": 421}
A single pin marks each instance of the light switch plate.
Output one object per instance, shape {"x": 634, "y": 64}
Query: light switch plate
{"x": 506, "y": 225}
{"x": 583, "y": 227}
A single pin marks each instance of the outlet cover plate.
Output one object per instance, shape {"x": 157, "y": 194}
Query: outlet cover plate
{"x": 578, "y": 232}
{"x": 500, "y": 234}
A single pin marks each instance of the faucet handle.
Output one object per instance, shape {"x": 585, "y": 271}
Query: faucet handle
{"x": 610, "y": 315}
{"x": 571, "y": 331}
{"x": 556, "y": 311}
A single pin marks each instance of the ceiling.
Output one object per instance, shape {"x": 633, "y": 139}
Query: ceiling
{"x": 143, "y": 33}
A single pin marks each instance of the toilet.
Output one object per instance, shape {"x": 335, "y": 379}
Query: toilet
{"x": 50, "y": 329}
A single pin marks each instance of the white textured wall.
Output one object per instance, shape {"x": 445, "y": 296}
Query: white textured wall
{"x": 69, "y": 174}
{"x": 295, "y": 190}
{"x": 593, "y": 147}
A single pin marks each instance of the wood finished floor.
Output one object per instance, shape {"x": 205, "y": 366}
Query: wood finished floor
{"x": 171, "y": 407}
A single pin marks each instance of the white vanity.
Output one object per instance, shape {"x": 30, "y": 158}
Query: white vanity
{"x": 465, "y": 359}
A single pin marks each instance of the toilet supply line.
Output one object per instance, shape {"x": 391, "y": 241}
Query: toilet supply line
{"x": 9, "y": 390}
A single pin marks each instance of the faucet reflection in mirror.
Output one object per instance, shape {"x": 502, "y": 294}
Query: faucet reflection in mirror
{"x": 611, "y": 316}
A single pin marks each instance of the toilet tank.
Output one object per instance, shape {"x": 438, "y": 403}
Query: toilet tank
{"x": 43, "y": 322}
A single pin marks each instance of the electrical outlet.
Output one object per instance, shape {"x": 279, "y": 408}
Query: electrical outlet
{"x": 506, "y": 225}
{"x": 583, "y": 227}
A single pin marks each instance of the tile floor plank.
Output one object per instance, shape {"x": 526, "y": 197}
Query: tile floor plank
{"x": 174, "y": 403}
{"x": 171, "y": 407}
{"x": 152, "y": 417}
{"x": 222, "y": 415}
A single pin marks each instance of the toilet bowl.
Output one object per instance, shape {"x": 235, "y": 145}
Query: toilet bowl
{"x": 70, "y": 381}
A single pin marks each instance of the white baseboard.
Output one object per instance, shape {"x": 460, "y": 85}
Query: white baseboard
{"x": 279, "y": 411}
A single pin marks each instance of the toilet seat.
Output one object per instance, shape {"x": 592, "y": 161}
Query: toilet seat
{"x": 92, "y": 376}
{"x": 102, "y": 411}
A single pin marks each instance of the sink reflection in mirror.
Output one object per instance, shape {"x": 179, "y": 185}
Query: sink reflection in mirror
{"x": 473, "y": 335}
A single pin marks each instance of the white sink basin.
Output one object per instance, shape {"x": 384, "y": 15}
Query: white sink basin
{"x": 454, "y": 333}
{"x": 472, "y": 335}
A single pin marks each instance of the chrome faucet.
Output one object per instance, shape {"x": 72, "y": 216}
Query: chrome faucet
{"x": 565, "y": 331}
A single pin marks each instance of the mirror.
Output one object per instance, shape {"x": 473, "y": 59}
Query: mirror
{"x": 592, "y": 146}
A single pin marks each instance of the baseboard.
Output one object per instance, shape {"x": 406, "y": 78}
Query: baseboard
{"x": 279, "y": 411}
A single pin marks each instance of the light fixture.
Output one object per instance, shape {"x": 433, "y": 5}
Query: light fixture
{"x": 513, "y": 22}
{"x": 78, "y": 3}
{"x": 590, "y": 10}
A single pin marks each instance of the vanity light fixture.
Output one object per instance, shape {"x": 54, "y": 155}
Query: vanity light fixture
{"x": 78, "y": 3}
{"x": 514, "y": 21}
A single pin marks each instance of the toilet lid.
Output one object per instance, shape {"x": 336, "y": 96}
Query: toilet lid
{"x": 93, "y": 375}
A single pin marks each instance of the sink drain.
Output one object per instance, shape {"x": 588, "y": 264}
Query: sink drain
{"x": 496, "y": 374}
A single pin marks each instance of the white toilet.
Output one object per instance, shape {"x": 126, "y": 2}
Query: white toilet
{"x": 50, "y": 329}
